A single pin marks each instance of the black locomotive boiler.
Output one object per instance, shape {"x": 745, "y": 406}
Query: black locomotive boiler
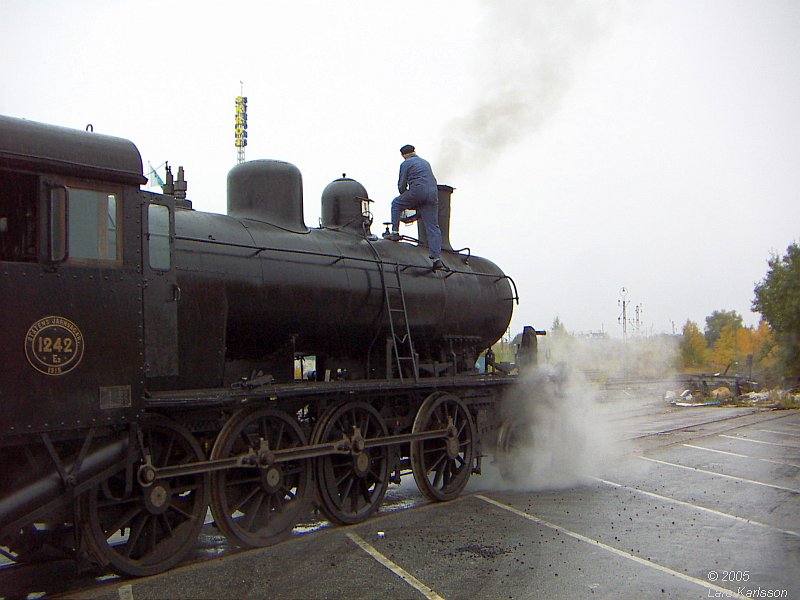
{"x": 157, "y": 360}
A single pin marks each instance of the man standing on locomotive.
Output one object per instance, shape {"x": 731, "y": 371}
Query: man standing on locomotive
{"x": 417, "y": 187}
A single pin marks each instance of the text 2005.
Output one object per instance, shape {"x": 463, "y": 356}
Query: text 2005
{"x": 735, "y": 576}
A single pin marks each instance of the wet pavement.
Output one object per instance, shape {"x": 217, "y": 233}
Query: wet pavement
{"x": 700, "y": 502}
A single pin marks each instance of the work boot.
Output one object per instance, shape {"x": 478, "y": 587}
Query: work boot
{"x": 392, "y": 237}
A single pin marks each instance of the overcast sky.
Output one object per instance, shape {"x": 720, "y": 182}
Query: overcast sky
{"x": 651, "y": 145}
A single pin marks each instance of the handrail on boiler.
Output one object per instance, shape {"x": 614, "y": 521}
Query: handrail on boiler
{"x": 339, "y": 257}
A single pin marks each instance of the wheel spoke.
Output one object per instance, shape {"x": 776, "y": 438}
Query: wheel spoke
{"x": 135, "y": 533}
{"x": 126, "y": 518}
{"x": 440, "y": 416}
{"x": 251, "y": 513}
{"x": 165, "y": 455}
{"x": 167, "y": 526}
{"x": 341, "y": 480}
{"x": 437, "y": 477}
{"x": 153, "y": 535}
{"x": 439, "y": 461}
{"x": 287, "y": 492}
{"x": 278, "y": 438}
{"x": 353, "y": 418}
{"x": 246, "y": 499}
{"x": 451, "y": 471}
{"x": 179, "y": 510}
{"x": 269, "y": 507}
{"x": 365, "y": 491}
{"x": 344, "y": 495}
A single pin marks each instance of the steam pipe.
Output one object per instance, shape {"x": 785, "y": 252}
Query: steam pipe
{"x": 32, "y": 495}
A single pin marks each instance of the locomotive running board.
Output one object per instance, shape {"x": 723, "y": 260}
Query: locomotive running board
{"x": 229, "y": 397}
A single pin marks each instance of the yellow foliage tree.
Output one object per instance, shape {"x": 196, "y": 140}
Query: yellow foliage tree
{"x": 725, "y": 350}
{"x": 693, "y": 349}
{"x": 765, "y": 349}
{"x": 745, "y": 343}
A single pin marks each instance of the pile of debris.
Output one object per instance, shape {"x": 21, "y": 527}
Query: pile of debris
{"x": 724, "y": 395}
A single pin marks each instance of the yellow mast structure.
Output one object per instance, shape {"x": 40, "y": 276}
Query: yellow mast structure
{"x": 240, "y": 125}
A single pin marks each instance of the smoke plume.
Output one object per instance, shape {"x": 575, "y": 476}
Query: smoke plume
{"x": 532, "y": 48}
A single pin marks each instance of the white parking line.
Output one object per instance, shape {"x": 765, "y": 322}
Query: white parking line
{"x": 769, "y": 485}
{"x": 717, "y": 451}
{"x": 723, "y": 592}
{"x": 395, "y": 568}
{"x": 701, "y": 508}
{"x": 125, "y": 592}
{"x": 779, "y": 432}
{"x": 768, "y": 460}
{"x": 742, "y": 439}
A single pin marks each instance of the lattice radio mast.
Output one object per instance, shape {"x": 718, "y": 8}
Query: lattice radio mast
{"x": 240, "y": 124}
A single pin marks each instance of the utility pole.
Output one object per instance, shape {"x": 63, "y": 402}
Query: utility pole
{"x": 623, "y": 302}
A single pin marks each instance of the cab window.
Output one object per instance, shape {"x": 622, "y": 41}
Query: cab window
{"x": 93, "y": 217}
{"x": 19, "y": 217}
{"x": 158, "y": 236}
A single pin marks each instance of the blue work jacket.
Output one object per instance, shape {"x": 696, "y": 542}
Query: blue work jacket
{"x": 416, "y": 176}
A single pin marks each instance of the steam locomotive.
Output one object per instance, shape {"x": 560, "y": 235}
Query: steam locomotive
{"x": 158, "y": 360}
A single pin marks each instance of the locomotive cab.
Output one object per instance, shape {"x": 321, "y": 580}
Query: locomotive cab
{"x": 72, "y": 270}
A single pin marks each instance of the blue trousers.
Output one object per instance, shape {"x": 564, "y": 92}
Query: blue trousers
{"x": 427, "y": 205}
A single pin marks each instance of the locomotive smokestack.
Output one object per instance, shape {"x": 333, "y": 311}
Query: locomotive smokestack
{"x": 445, "y": 193}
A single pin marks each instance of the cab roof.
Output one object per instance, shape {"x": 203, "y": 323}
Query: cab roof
{"x": 29, "y": 145}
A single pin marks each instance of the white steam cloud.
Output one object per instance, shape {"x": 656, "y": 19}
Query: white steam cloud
{"x": 532, "y": 50}
{"x": 567, "y": 428}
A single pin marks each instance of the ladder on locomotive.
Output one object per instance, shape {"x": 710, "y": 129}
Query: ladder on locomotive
{"x": 398, "y": 321}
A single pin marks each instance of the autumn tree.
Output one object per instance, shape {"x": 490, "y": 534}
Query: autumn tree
{"x": 777, "y": 298}
{"x": 765, "y": 349}
{"x": 693, "y": 349}
{"x": 724, "y": 353}
{"x": 717, "y": 321}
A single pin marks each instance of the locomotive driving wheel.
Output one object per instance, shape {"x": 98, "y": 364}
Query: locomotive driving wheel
{"x": 514, "y": 454}
{"x": 258, "y": 506}
{"x": 351, "y": 486}
{"x": 139, "y": 530}
{"x": 442, "y": 466}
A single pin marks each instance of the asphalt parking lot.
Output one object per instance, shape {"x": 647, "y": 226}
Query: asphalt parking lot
{"x": 703, "y": 503}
